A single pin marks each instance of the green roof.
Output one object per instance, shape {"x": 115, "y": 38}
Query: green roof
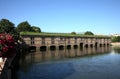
{"x": 62, "y": 34}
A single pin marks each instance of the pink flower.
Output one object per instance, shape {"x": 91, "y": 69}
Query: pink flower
{"x": 5, "y": 49}
{"x": 2, "y": 41}
{"x": 7, "y": 45}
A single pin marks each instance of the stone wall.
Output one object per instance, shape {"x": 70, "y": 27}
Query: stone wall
{"x": 48, "y": 41}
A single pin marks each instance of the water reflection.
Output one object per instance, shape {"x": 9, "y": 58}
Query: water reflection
{"x": 49, "y": 55}
{"x": 86, "y": 63}
{"x": 116, "y": 49}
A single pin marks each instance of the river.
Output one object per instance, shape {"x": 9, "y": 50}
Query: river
{"x": 86, "y": 63}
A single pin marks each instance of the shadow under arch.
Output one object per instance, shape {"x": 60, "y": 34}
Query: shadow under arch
{"x": 86, "y": 46}
{"x": 43, "y": 48}
{"x": 32, "y": 48}
{"x": 68, "y": 46}
{"x": 61, "y": 47}
{"x": 53, "y": 47}
{"x": 81, "y": 45}
{"x": 75, "y": 46}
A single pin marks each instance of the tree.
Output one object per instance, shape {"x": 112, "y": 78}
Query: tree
{"x": 116, "y": 39}
{"x": 23, "y": 26}
{"x": 35, "y": 29}
{"x": 73, "y": 33}
{"x": 88, "y": 33}
{"x": 6, "y": 26}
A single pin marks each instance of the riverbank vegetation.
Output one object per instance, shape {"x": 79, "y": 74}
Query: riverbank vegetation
{"x": 116, "y": 39}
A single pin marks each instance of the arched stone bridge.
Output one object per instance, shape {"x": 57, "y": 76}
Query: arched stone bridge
{"x": 50, "y": 42}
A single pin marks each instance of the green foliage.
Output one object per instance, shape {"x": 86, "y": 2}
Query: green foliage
{"x": 35, "y": 29}
{"x": 24, "y": 26}
{"x": 116, "y": 39}
{"x": 6, "y": 26}
{"x": 88, "y": 33}
{"x": 73, "y": 33}
{"x": 63, "y": 34}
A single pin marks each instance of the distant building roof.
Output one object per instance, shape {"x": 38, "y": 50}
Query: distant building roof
{"x": 115, "y": 35}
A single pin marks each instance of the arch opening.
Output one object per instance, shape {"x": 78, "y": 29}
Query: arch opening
{"x": 91, "y": 45}
{"x": 52, "y": 47}
{"x": 86, "y": 45}
{"x": 96, "y": 44}
{"x": 32, "y": 48}
{"x": 100, "y": 45}
{"x": 61, "y": 47}
{"x": 81, "y": 45}
{"x": 43, "y": 48}
{"x": 68, "y": 46}
{"x": 75, "y": 46}
{"x": 108, "y": 44}
{"x": 103, "y": 44}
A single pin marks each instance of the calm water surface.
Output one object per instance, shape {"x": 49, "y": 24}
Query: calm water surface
{"x": 104, "y": 63}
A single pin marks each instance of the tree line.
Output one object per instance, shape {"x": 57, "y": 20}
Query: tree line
{"x": 86, "y": 33}
{"x": 7, "y": 26}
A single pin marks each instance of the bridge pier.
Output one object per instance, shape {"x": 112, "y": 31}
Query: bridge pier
{"x": 37, "y": 48}
{"x": 57, "y": 47}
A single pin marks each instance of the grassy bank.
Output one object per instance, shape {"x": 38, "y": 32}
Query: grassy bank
{"x": 63, "y": 34}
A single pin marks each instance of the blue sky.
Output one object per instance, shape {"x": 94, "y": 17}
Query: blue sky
{"x": 98, "y": 16}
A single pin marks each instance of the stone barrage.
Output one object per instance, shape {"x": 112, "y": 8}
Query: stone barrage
{"x": 58, "y": 42}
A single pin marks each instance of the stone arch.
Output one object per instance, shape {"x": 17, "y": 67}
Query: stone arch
{"x": 43, "y": 48}
{"x": 96, "y": 44}
{"x": 86, "y": 45}
{"x": 81, "y": 45}
{"x": 100, "y": 45}
{"x": 91, "y": 45}
{"x": 104, "y": 45}
{"x": 108, "y": 44}
{"x": 68, "y": 46}
{"x": 52, "y": 47}
{"x": 32, "y": 48}
{"x": 61, "y": 47}
{"x": 75, "y": 46}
